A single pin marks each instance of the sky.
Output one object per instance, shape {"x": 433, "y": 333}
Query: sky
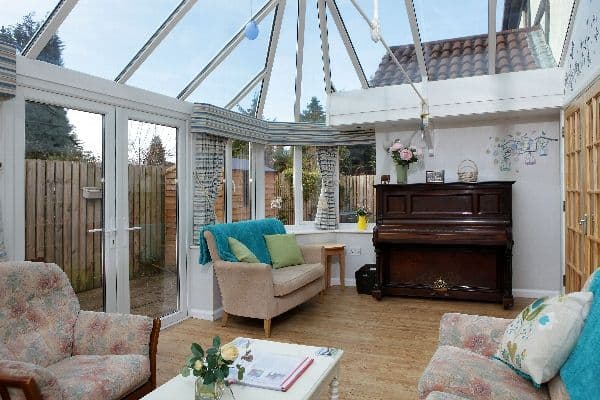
{"x": 101, "y": 36}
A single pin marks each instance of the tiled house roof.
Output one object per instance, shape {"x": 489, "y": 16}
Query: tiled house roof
{"x": 516, "y": 50}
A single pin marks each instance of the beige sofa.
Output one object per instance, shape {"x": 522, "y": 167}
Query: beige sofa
{"x": 259, "y": 291}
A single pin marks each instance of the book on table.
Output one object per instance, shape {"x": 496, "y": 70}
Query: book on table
{"x": 267, "y": 370}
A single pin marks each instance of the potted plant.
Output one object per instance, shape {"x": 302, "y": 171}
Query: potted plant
{"x": 403, "y": 157}
{"x": 212, "y": 368}
{"x": 361, "y": 214}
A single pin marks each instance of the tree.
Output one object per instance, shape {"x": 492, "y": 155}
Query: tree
{"x": 156, "y": 154}
{"x": 49, "y": 135}
{"x": 357, "y": 159}
{"x": 251, "y": 111}
{"x": 19, "y": 35}
{"x": 313, "y": 112}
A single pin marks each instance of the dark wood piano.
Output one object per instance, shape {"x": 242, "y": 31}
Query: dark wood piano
{"x": 449, "y": 240}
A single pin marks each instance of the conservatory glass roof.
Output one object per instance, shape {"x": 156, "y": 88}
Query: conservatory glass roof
{"x": 196, "y": 50}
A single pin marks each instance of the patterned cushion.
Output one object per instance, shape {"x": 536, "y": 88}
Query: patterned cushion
{"x": 539, "y": 340}
{"x": 98, "y": 333}
{"x": 286, "y": 280}
{"x": 101, "y": 377}
{"x": 467, "y": 374}
{"x": 38, "y": 310}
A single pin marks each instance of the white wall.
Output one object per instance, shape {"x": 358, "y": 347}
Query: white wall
{"x": 536, "y": 193}
{"x": 582, "y": 57}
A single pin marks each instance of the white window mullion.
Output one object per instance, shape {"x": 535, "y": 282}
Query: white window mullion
{"x": 297, "y": 186}
{"x": 228, "y": 182}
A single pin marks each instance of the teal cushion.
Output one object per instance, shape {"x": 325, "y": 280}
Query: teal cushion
{"x": 580, "y": 372}
{"x": 241, "y": 252}
{"x": 284, "y": 250}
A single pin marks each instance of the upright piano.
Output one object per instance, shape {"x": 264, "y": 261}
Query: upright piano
{"x": 450, "y": 240}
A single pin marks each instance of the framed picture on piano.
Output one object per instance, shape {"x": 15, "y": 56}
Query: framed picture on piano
{"x": 434, "y": 176}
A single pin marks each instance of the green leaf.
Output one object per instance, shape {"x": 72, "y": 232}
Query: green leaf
{"x": 197, "y": 350}
{"x": 216, "y": 342}
{"x": 212, "y": 351}
{"x": 185, "y": 371}
{"x": 209, "y": 378}
{"x": 225, "y": 370}
{"x": 219, "y": 375}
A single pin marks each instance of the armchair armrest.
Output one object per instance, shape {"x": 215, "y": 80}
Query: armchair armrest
{"x": 246, "y": 289}
{"x": 21, "y": 380}
{"x": 312, "y": 253}
{"x": 472, "y": 332}
{"x": 98, "y": 333}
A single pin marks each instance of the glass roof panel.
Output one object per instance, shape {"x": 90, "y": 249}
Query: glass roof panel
{"x": 279, "y": 104}
{"x": 14, "y": 11}
{"x": 313, "y": 81}
{"x": 342, "y": 70}
{"x": 395, "y": 29}
{"x": 101, "y": 36}
{"x": 454, "y": 37}
{"x": 239, "y": 68}
{"x": 204, "y": 30}
{"x": 439, "y": 20}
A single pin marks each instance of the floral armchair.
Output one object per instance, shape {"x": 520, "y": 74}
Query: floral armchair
{"x": 462, "y": 368}
{"x": 52, "y": 350}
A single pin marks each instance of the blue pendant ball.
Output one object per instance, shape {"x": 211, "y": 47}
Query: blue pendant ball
{"x": 251, "y": 31}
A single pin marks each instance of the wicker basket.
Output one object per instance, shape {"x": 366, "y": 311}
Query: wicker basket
{"x": 467, "y": 171}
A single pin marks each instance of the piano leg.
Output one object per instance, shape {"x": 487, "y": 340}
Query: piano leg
{"x": 508, "y": 302}
{"x": 376, "y": 293}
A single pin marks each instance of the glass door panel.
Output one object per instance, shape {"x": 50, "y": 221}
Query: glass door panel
{"x": 153, "y": 225}
{"x": 64, "y": 196}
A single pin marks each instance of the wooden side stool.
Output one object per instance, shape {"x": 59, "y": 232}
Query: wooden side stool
{"x": 334, "y": 249}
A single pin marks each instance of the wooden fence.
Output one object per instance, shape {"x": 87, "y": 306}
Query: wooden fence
{"x": 355, "y": 191}
{"x": 58, "y": 218}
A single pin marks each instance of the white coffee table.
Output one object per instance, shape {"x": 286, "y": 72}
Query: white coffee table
{"x": 321, "y": 376}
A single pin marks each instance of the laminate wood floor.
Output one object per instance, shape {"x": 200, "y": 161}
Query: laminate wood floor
{"x": 386, "y": 344}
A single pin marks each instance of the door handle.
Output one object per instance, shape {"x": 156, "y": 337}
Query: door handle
{"x": 96, "y": 230}
{"x": 583, "y": 221}
{"x": 134, "y": 228}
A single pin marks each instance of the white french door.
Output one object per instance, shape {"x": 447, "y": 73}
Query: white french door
{"x": 108, "y": 216}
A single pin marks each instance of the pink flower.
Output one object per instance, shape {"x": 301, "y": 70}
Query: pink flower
{"x": 406, "y": 154}
{"x": 397, "y": 146}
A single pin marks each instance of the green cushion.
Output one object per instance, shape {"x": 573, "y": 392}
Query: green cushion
{"x": 241, "y": 252}
{"x": 284, "y": 250}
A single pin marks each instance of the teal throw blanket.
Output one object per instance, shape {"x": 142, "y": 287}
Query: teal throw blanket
{"x": 580, "y": 371}
{"x": 251, "y": 233}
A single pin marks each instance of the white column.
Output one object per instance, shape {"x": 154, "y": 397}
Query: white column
{"x": 257, "y": 155}
{"x": 228, "y": 183}
{"x": 297, "y": 183}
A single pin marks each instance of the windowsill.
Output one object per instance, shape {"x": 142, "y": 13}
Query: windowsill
{"x": 306, "y": 229}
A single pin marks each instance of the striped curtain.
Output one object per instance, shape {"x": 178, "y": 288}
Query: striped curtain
{"x": 209, "y": 160}
{"x": 326, "y": 217}
{"x": 8, "y": 71}
{"x": 3, "y": 254}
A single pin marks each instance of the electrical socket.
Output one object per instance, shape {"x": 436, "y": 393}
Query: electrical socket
{"x": 354, "y": 251}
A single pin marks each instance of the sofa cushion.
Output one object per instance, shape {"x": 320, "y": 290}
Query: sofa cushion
{"x": 38, "y": 310}
{"x": 47, "y": 383}
{"x": 101, "y": 377}
{"x": 467, "y": 374}
{"x": 286, "y": 280}
{"x": 547, "y": 323}
{"x": 241, "y": 252}
{"x": 284, "y": 250}
{"x": 248, "y": 232}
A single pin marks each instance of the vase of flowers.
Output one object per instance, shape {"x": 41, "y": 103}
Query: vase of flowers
{"x": 361, "y": 215}
{"x": 403, "y": 157}
{"x": 212, "y": 368}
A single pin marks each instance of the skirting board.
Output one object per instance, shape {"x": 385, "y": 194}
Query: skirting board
{"x": 534, "y": 293}
{"x": 206, "y": 314}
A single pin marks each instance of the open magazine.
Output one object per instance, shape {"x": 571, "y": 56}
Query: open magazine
{"x": 267, "y": 370}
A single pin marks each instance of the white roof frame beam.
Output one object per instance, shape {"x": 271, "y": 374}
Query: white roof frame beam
{"x": 148, "y": 48}
{"x": 274, "y": 39}
{"x": 341, "y": 27}
{"x": 324, "y": 45}
{"x": 492, "y": 37}
{"x": 225, "y": 51}
{"x": 246, "y": 89}
{"x": 299, "y": 57}
{"x": 42, "y": 36}
{"x": 414, "y": 28}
